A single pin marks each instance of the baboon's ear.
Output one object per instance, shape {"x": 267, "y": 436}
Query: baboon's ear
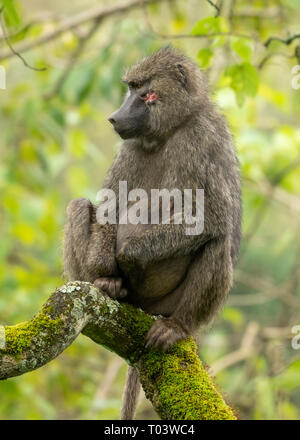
{"x": 181, "y": 74}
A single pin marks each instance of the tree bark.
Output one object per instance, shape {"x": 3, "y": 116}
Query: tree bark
{"x": 175, "y": 382}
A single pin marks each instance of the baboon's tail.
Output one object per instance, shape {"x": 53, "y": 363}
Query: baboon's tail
{"x": 131, "y": 394}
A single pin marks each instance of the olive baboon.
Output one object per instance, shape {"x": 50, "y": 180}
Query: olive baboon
{"x": 173, "y": 138}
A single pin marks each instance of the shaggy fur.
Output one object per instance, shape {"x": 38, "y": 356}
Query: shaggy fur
{"x": 185, "y": 145}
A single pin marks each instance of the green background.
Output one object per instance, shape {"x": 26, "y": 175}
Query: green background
{"x": 56, "y": 144}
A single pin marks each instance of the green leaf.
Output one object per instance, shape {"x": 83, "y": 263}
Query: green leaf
{"x": 86, "y": 85}
{"x": 234, "y": 316}
{"x": 11, "y": 14}
{"x": 287, "y": 411}
{"x": 244, "y": 80}
{"x": 204, "y": 56}
{"x": 289, "y": 379}
{"x": 207, "y": 26}
{"x": 24, "y": 232}
{"x": 77, "y": 179}
{"x": 77, "y": 142}
{"x": 243, "y": 47}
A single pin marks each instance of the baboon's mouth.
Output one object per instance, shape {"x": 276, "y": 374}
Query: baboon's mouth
{"x": 126, "y": 134}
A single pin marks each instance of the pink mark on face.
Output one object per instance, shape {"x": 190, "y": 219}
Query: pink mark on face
{"x": 151, "y": 97}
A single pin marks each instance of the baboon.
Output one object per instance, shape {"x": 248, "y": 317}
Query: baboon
{"x": 174, "y": 137}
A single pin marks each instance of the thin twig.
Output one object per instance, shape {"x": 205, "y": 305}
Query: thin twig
{"x": 183, "y": 36}
{"x": 212, "y": 35}
{"x": 75, "y": 21}
{"x": 105, "y": 386}
{"x": 37, "y": 20}
{"x": 267, "y": 291}
{"x": 266, "y": 58}
{"x": 286, "y": 41}
{"x": 218, "y": 11}
{"x": 13, "y": 51}
{"x": 245, "y": 351}
{"x": 231, "y": 13}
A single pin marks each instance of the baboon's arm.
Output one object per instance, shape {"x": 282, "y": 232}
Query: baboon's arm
{"x": 164, "y": 241}
{"x": 89, "y": 248}
{"x": 160, "y": 242}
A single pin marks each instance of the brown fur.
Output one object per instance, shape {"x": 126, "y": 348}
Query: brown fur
{"x": 131, "y": 394}
{"x": 186, "y": 145}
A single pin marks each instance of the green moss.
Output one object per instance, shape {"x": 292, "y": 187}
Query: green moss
{"x": 19, "y": 337}
{"x": 130, "y": 323}
{"x": 139, "y": 323}
{"x": 183, "y": 389}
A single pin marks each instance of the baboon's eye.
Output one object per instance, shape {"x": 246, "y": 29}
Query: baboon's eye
{"x": 149, "y": 97}
{"x": 134, "y": 84}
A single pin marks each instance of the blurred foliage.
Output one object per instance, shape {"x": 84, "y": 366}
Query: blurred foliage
{"x": 53, "y": 150}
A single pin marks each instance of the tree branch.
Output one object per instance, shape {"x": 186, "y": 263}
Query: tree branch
{"x": 13, "y": 51}
{"x": 175, "y": 382}
{"x": 287, "y": 41}
{"x": 245, "y": 351}
{"x": 73, "y": 22}
{"x": 73, "y": 59}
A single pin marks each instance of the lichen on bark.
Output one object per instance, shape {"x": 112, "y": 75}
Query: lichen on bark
{"x": 175, "y": 382}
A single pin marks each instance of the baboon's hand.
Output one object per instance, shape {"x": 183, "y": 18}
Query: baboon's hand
{"x": 111, "y": 286}
{"x": 164, "y": 333}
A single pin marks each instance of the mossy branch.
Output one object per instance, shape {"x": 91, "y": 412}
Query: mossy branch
{"x": 175, "y": 382}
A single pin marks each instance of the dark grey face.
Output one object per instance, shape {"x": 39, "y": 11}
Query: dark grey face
{"x": 131, "y": 120}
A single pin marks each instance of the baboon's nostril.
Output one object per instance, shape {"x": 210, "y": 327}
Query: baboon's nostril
{"x": 112, "y": 120}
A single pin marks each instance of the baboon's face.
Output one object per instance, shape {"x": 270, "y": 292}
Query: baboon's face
{"x": 164, "y": 89}
{"x": 131, "y": 120}
{"x": 150, "y": 107}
